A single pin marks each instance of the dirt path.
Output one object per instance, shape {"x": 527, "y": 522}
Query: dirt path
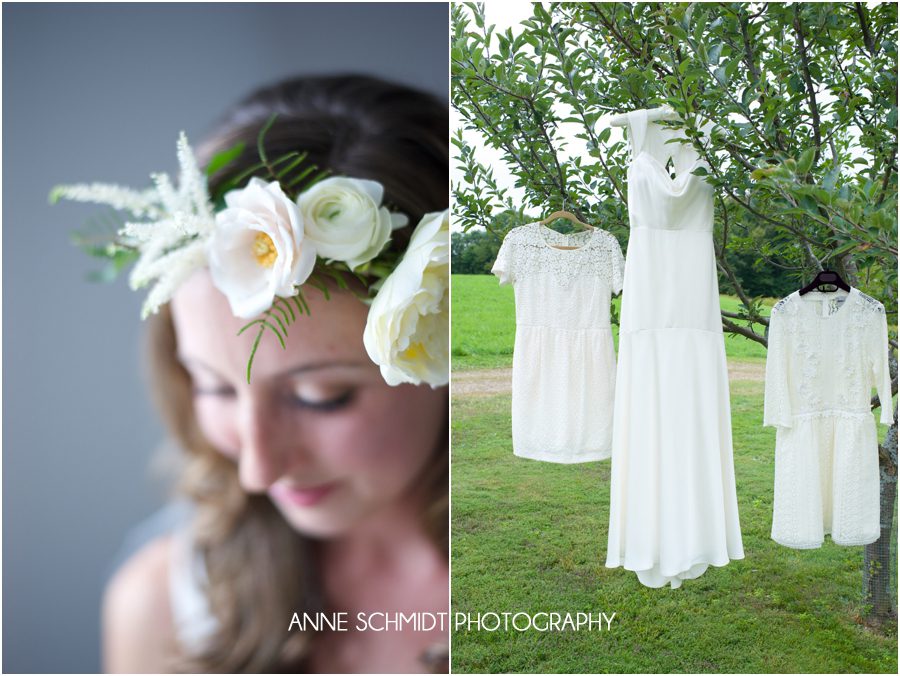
{"x": 481, "y": 382}
{"x": 489, "y": 382}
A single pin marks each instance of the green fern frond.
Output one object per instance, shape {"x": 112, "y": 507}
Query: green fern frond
{"x": 300, "y": 302}
{"x": 255, "y": 347}
{"x": 287, "y": 314}
{"x": 276, "y": 320}
{"x": 284, "y": 171}
{"x": 260, "y": 146}
{"x": 263, "y": 323}
{"x": 320, "y": 285}
{"x": 305, "y": 173}
{"x": 325, "y": 173}
{"x": 280, "y": 169}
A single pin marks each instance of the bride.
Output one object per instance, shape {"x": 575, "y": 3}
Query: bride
{"x": 314, "y": 436}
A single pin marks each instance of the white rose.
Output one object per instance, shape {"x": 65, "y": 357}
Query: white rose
{"x": 257, "y": 249}
{"x": 345, "y": 219}
{"x": 407, "y": 327}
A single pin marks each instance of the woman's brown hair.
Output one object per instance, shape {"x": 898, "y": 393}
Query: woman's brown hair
{"x": 260, "y": 570}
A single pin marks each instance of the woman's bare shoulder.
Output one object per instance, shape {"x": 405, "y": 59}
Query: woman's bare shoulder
{"x": 138, "y": 631}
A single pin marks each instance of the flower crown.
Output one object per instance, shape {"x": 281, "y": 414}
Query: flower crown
{"x": 262, "y": 243}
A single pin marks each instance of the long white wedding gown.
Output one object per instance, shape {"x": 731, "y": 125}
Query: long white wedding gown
{"x": 673, "y": 507}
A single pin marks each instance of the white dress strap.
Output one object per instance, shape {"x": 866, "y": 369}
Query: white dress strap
{"x": 637, "y": 130}
{"x": 191, "y": 615}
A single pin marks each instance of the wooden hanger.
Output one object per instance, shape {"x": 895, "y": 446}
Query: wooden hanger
{"x": 566, "y": 215}
{"x": 825, "y": 278}
{"x": 569, "y": 217}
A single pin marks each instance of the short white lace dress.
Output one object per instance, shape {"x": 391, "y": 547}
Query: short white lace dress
{"x": 564, "y": 362}
{"x": 826, "y": 352}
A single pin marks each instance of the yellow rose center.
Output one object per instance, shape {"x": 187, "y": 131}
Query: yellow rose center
{"x": 264, "y": 250}
{"x": 414, "y": 351}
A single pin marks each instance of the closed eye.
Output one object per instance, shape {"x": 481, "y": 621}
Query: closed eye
{"x": 323, "y": 405}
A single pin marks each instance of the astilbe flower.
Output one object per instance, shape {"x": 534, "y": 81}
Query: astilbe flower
{"x": 177, "y": 222}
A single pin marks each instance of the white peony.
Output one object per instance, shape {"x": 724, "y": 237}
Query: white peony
{"x": 345, "y": 219}
{"x": 258, "y": 249}
{"x": 407, "y": 330}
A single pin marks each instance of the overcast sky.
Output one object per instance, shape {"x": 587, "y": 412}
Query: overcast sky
{"x": 510, "y": 15}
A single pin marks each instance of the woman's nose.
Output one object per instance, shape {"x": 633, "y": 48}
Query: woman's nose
{"x": 262, "y": 458}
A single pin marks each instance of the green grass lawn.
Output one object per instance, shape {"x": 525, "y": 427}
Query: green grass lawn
{"x": 484, "y": 325}
{"x": 531, "y": 536}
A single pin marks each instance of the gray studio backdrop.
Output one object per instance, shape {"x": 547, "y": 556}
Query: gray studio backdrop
{"x": 100, "y": 92}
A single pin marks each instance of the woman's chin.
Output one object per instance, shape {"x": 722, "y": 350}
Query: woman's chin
{"x": 319, "y": 521}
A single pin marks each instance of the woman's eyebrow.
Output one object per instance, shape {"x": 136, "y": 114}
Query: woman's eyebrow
{"x": 317, "y": 366}
{"x": 192, "y": 361}
{"x": 290, "y": 371}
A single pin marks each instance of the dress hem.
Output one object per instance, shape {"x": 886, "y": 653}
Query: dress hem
{"x": 674, "y": 580}
{"x": 729, "y": 557}
{"x": 570, "y": 460}
{"x": 818, "y": 545}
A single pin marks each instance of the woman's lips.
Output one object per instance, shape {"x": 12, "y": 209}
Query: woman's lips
{"x": 304, "y": 497}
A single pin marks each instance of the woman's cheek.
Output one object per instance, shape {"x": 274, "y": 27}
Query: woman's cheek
{"x": 217, "y": 426}
{"x": 387, "y": 432}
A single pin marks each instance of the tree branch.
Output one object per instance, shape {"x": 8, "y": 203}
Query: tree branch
{"x": 876, "y": 402}
{"x": 581, "y": 113}
{"x": 731, "y": 327}
{"x": 634, "y": 51}
{"x": 864, "y": 25}
{"x": 810, "y": 89}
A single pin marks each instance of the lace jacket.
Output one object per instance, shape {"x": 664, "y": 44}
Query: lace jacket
{"x": 825, "y": 354}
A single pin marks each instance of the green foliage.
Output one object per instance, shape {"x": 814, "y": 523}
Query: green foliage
{"x": 286, "y": 310}
{"x": 293, "y": 173}
{"x": 97, "y": 239}
{"x": 803, "y": 157}
{"x": 276, "y": 321}
{"x": 756, "y": 277}
{"x": 224, "y": 158}
{"x": 474, "y": 251}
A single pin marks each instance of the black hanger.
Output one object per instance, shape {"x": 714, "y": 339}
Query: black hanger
{"x": 825, "y": 278}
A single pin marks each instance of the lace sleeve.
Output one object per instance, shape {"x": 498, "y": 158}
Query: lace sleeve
{"x": 880, "y": 366}
{"x": 503, "y": 266}
{"x": 777, "y": 403}
{"x": 618, "y": 267}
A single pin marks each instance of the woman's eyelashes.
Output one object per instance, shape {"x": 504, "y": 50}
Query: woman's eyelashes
{"x": 315, "y": 399}
{"x": 324, "y": 404}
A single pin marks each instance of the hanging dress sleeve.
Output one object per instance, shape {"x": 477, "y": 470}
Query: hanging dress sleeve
{"x": 880, "y": 366}
{"x": 637, "y": 129}
{"x": 777, "y": 403}
{"x": 618, "y": 267}
{"x": 503, "y": 266}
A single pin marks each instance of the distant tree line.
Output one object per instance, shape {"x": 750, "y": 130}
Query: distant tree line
{"x": 474, "y": 253}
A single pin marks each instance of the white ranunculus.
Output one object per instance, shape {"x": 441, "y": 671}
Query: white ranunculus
{"x": 345, "y": 219}
{"x": 408, "y": 324}
{"x": 258, "y": 249}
